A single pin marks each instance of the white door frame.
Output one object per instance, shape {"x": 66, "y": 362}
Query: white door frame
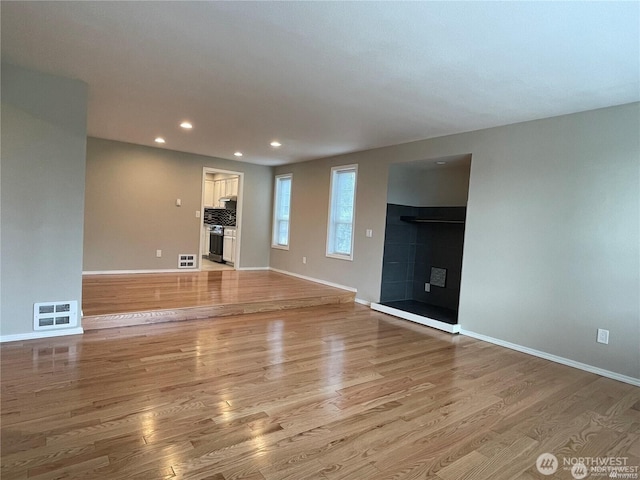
{"x": 214, "y": 170}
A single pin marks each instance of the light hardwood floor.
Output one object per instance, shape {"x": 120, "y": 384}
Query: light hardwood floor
{"x": 335, "y": 391}
{"x": 124, "y": 300}
{"x": 208, "y": 265}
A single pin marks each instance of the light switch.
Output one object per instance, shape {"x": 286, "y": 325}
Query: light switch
{"x": 178, "y": 202}
{"x": 197, "y": 213}
{"x": 369, "y": 233}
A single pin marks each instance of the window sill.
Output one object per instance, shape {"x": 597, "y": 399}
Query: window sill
{"x": 340, "y": 257}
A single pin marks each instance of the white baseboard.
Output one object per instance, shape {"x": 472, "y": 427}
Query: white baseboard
{"x": 362, "y": 302}
{"x": 248, "y": 269}
{"x": 554, "y": 358}
{"x": 429, "y": 322}
{"x": 128, "y": 272}
{"x": 316, "y": 280}
{"x": 35, "y": 335}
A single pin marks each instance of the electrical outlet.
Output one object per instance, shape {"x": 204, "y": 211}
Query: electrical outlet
{"x": 304, "y": 259}
{"x": 427, "y": 287}
{"x": 603, "y": 336}
{"x": 158, "y": 253}
{"x": 197, "y": 213}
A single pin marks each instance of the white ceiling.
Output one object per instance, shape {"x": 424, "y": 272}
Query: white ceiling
{"x": 326, "y": 77}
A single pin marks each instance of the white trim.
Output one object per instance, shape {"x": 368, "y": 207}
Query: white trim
{"x": 553, "y": 358}
{"x": 340, "y": 256}
{"x": 239, "y": 229}
{"x": 274, "y": 219}
{"x": 253, "y": 268}
{"x": 429, "y": 322}
{"x": 127, "y": 272}
{"x": 239, "y": 206}
{"x": 316, "y": 280}
{"x": 362, "y": 302}
{"x": 41, "y": 334}
{"x": 334, "y": 171}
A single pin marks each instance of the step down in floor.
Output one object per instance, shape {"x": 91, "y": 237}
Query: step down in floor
{"x": 116, "y": 320}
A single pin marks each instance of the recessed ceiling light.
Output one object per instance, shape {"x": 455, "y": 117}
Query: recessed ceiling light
{"x": 440, "y": 162}
{"x": 159, "y": 140}
{"x": 276, "y": 143}
{"x": 186, "y": 125}
{"x": 238, "y": 154}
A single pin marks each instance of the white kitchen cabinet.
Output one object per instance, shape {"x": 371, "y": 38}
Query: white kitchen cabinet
{"x": 210, "y": 200}
{"x": 231, "y": 185}
{"x": 218, "y": 191}
{"x": 227, "y": 249}
{"x": 214, "y": 190}
{"x": 229, "y": 245}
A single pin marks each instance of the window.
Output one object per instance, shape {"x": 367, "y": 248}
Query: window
{"x": 342, "y": 212}
{"x": 281, "y": 208}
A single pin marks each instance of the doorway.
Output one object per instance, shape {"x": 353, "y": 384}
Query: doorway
{"x": 221, "y": 206}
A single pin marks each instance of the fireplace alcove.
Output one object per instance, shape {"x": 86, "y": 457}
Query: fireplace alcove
{"x": 423, "y": 251}
{"x": 423, "y": 248}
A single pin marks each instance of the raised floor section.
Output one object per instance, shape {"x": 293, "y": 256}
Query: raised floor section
{"x": 435, "y": 312}
{"x": 111, "y": 301}
{"x": 422, "y": 313}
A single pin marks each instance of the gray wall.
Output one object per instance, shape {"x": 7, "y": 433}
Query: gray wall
{"x": 42, "y": 193}
{"x": 130, "y": 212}
{"x": 552, "y": 233}
{"x": 425, "y": 184}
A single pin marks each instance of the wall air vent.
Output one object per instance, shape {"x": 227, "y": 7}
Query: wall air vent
{"x": 187, "y": 260}
{"x": 51, "y": 315}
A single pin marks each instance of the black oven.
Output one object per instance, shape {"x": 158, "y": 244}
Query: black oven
{"x": 216, "y": 235}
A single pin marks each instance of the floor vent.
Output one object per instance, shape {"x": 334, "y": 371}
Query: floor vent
{"x": 50, "y": 315}
{"x": 187, "y": 260}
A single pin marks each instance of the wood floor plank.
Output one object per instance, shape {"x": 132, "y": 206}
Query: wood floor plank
{"x": 326, "y": 392}
{"x": 462, "y": 466}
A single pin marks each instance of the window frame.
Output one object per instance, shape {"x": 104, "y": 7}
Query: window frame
{"x": 276, "y": 207}
{"x": 331, "y": 222}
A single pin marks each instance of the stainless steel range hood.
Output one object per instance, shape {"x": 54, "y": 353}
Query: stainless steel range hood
{"x": 230, "y": 202}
